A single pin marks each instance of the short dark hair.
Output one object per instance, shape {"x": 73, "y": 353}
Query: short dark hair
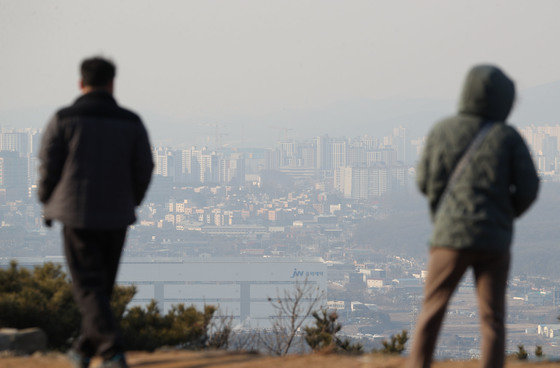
{"x": 97, "y": 72}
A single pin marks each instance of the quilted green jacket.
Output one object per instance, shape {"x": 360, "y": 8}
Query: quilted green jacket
{"x": 497, "y": 185}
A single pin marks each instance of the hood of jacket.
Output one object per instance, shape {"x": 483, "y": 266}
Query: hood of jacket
{"x": 487, "y": 93}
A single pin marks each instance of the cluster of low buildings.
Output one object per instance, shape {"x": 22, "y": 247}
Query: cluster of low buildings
{"x": 237, "y": 208}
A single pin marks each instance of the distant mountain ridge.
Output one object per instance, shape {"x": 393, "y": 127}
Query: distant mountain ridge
{"x": 350, "y": 118}
{"x": 538, "y": 105}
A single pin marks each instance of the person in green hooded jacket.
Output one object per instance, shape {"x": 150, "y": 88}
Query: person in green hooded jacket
{"x": 473, "y": 224}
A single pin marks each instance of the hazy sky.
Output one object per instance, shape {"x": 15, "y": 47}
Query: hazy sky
{"x": 221, "y": 58}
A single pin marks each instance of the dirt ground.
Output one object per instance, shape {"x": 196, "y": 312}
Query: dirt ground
{"x": 186, "y": 359}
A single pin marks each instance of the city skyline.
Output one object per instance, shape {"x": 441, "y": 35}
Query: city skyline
{"x": 364, "y": 158}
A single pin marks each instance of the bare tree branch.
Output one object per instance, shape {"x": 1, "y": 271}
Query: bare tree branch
{"x": 292, "y": 308}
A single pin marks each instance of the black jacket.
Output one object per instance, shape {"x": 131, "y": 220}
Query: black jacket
{"x": 95, "y": 164}
{"x": 500, "y": 182}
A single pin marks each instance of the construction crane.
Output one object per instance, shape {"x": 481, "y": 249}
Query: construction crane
{"x": 282, "y": 131}
{"x": 217, "y": 132}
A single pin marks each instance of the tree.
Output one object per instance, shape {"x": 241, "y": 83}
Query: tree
{"x": 521, "y": 353}
{"x": 538, "y": 351}
{"x": 293, "y": 307}
{"x": 148, "y": 329}
{"x": 322, "y": 336}
{"x": 396, "y": 345}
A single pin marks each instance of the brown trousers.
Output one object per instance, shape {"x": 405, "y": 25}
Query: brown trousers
{"x": 445, "y": 269}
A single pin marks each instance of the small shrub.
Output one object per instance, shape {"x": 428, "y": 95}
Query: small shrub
{"x": 244, "y": 341}
{"x": 322, "y": 336}
{"x": 122, "y": 295}
{"x": 538, "y": 351}
{"x": 396, "y": 345}
{"x": 350, "y": 348}
{"x": 521, "y": 353}
{"x": 220, "y": 331}
{"x": 39, "y": 298}
{"x": 148, "y": 329}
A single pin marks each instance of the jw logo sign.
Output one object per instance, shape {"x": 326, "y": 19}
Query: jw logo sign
{"x": 300, "y": 273}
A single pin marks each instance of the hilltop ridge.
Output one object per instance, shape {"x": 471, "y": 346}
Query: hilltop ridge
{"x": 206, "y": 359}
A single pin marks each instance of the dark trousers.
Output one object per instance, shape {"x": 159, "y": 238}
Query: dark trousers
{"x": 445, "y": 269}
{"x": 93, "y": 259}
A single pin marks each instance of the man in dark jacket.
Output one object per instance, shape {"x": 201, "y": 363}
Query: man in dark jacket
{"x": 96, "y": 164}
{"x": 473, "y": 224}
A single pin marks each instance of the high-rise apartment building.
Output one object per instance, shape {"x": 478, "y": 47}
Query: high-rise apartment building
{"x": 13, "y": 175}
{"x": 338, "y": 153}
{"x": 161, "y": 160}
{"x": 362, "y": 182}
{"x": 307, "y": 156}
{"x": 232, "y": 169}
{"x": 322, "y": 153}
{"x": 543, "y": 142}
{"x": 209, "y": 168}
{"x": 15, "y": 141}
{"x": 378, "y": 180}
{"x": 287, "y": 153}
{"x": 356, "y": 156}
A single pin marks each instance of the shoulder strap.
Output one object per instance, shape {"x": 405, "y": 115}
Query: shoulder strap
{"x": 465, "y": 159}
